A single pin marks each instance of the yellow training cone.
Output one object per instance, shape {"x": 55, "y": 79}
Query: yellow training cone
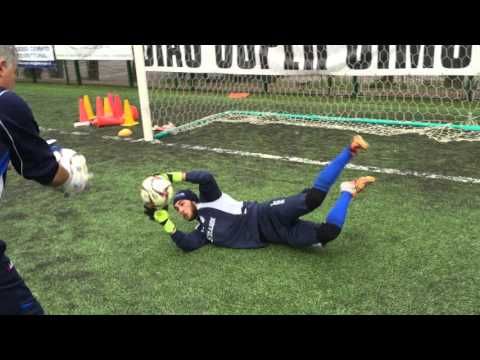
{"x": 107, "y": 108}
{"x": 127, "y": 114}
{"x": 88, "y": 107}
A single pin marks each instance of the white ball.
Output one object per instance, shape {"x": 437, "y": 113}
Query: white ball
{"x": 156, "y": 190}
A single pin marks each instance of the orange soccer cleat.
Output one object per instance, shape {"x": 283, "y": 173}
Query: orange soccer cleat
{"x": 356, "y": 186}
{"x": 358, "y": 143}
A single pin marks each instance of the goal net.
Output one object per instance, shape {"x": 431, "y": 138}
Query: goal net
{"x": 387, "y": 90}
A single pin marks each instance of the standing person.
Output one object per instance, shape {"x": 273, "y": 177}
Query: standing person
{"x": 34, "y": 159}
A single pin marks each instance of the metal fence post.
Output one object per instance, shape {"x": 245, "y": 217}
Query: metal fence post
{"x": 77, "y": 72}
{"x": 34, "y": 75}
{"x": 130, "y": 73}
{"x": 67, "y": 77}
{"x": 468, "y": 86}
{"x": 329, "y": 85}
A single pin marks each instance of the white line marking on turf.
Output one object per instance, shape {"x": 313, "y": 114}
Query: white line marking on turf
{"x": 370, "y": 169}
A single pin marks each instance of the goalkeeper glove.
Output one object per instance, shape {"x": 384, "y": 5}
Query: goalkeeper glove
{"x": 174, "y": 177}
{"x": 163, "y": 218}
{"x": 149, "y": 211}
{"x": 76, "y": 166}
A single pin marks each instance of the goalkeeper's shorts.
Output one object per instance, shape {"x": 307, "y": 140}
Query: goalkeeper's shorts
{"x": 15, "y": 297}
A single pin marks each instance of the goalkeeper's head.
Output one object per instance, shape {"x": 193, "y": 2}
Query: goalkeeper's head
{"x": 185, "y": 202}
{"x": 8, "y": 66}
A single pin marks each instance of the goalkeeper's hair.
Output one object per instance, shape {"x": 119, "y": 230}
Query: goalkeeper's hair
{"x": 186, "y": 194}
{"x": 9, "y": 53}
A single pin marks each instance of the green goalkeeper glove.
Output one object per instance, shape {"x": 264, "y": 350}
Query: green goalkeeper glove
{"x": 162, "y": 217}
{"x": 174, "y": 177}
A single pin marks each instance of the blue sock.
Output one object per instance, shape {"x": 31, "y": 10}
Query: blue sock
{"x": 338, "y": 214}
{"x": 327, "y": 177}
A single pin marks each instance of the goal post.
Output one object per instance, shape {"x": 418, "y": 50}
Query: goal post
{"x": 143, "y": 92}
{"x": 378, "y": 89}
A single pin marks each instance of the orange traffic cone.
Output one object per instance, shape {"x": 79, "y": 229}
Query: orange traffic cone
{"x": 240, "y": 95}
{"x": 135, "y": 113}
{"x": 81, "y": 111}
{"x": 102, "y": 121}
{"x": 88, "y": 107}
{"x": 107, "y": 108}
{"x": 127, "y": 114}
{"x": 110, "y": 100}
{"x": 117, "y": 106}
{"x": 99, "y": 106}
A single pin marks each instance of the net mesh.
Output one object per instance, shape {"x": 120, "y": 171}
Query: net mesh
{"x": 441, "y": 108}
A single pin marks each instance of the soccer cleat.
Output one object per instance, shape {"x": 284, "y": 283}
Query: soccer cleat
{"x": 356, "y": 186}
{"x": 358, "y": 143}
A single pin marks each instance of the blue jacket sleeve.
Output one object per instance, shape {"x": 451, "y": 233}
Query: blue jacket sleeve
{"x": 209, "y": 190}
{"x": 30, "y": 154}
{"x": 191, "y": 241}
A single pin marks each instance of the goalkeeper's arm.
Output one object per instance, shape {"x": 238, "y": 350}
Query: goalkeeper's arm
{"x": 175, "y": 176}
{"x": 61, "y": 177}
{"x": 185, "y": 241}
{"x": 209, "y": 190}
{"x": 191, "y": 241}
{"x": 72, "y": 174}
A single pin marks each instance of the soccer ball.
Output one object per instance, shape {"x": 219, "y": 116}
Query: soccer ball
{"x": 156, "y": 190}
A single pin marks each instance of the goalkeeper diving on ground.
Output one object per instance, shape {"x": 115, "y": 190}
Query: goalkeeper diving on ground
{"x": 223, "y": 221}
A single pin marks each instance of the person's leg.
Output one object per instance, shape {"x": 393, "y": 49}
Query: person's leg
{"x": 336, "y": 217}
{"x": 288, "y": 210}
{"x": 15, "y": 297}
{"x": 327, "y": 177}
{"x": 306, "y": 233}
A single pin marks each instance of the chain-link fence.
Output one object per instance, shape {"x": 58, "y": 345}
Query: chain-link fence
{"x": 120, "y": 73}
{"x": 402, "y": 88}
